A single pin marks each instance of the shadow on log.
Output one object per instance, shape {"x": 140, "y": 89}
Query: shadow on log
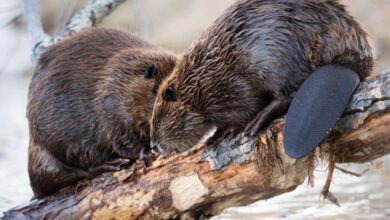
{"x": 203, "y": 182}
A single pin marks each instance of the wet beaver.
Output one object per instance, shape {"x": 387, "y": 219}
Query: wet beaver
{"x": 89, "y": 105}
{"x": 245, "y": 69}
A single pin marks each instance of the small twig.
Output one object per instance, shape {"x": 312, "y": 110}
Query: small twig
{"x": 333, "y": 199}
{"x": 34, "y": 25}
{"x": 325, "y": 191}
{"x": 312, "y": 160}
{"x": 90, "y": 15}
{"x": 351, "y": 172}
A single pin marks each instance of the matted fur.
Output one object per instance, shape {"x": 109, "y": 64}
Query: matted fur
{"x": 257, "y": 51}
{"x": 89, "y": 103}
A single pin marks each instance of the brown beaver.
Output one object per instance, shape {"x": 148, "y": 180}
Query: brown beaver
{"x": 244, "y": 70}
{"x": 89, "y": 105}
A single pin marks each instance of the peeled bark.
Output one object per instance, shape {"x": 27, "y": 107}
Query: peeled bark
{"x": 206, "y": 181}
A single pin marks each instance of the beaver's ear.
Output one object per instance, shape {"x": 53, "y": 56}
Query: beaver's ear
{"x": 169, "y": 94}
{"x": 150, "y": 71}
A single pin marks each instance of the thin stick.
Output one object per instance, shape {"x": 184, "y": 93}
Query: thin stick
{"x": 34, "y": 25}
{"x": 351, "y": 172}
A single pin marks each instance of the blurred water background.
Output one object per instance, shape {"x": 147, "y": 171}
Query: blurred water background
{"x": 174, "y": 24}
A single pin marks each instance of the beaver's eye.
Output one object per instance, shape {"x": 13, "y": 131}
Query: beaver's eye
{"x": 169, "y": 94}
{"x": 157, "y": 125}
{"x": 149, "y": 71}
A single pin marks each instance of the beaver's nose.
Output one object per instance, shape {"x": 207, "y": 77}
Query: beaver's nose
{"x": 153, "y": 146}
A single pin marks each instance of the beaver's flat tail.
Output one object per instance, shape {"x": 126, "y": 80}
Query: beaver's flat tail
{"x": 316, "y": 107}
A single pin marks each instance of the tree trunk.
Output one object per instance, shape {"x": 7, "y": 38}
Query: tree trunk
{"x": 206, "y": 181}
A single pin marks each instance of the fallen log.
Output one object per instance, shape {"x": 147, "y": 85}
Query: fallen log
{"x": 206, "y": 180}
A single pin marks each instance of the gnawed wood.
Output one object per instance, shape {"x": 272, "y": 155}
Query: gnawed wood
{"x": 206, "y": 181}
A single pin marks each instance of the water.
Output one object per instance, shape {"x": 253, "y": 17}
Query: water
{"x": 15, "y": 62}
{"x": 14, "y": 184}
{"x": 365, "y": 197}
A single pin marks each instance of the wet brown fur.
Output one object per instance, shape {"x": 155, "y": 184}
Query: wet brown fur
{"x": 89, "y": 104}
{"x": 256, "y": 53}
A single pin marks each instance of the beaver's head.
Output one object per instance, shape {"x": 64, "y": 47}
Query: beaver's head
{"x": 178, "y": 121}
{"x": 202, "y": 92}
{"x": 175, "y": 126}
{"x": 127, "y": 95}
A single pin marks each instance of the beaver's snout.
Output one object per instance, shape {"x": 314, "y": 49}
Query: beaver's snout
{"x": 169, "y": 148}
{"x": 160, "y": 148}
{"x": 156, "y": 147}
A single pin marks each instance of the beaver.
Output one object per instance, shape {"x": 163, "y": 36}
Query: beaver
{"x": 245, "y": 69}
{"x": 89, "y": 105}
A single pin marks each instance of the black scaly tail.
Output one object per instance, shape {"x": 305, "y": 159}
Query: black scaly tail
{"x": 316, "y": 107}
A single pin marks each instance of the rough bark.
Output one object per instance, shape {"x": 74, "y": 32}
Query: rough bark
{"x": 206, "y": 181}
